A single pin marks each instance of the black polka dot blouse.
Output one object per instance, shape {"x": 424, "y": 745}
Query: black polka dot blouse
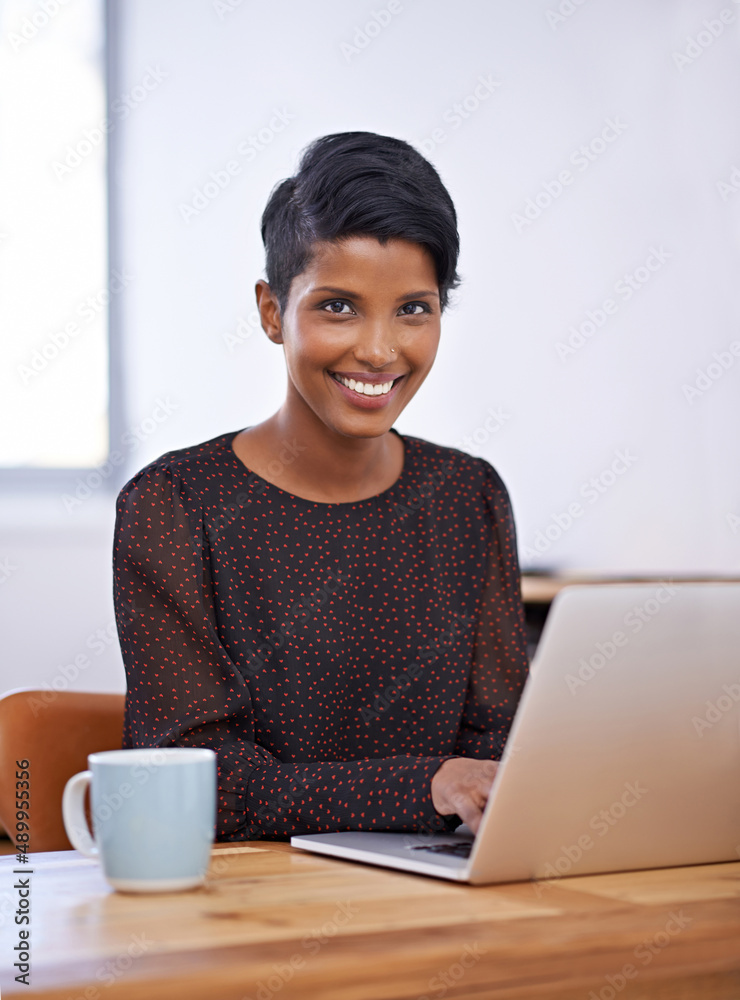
{"x": 333, "y": 654}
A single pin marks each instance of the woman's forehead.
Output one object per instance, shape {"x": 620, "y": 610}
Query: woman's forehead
{"x": 366, "y": 257}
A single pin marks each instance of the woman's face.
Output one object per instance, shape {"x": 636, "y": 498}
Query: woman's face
{"x": 360, "y": 331}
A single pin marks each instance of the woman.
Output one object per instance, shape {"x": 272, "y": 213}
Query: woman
{"x": 331, "y": 606}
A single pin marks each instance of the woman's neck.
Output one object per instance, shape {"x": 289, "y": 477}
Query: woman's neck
{"x": 310, "y": 460}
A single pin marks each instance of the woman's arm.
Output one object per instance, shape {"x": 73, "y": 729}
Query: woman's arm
{"x": 500, "y": 662}
{"x": 498, "y": 672}
{"x": 185, "y": 690}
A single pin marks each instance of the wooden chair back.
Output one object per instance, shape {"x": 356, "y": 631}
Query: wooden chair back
{"x": 54, "y": 731}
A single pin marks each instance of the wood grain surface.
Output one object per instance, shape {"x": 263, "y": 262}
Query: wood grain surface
{"x": 542, "y": 589}
{"x": 272, "y": 922}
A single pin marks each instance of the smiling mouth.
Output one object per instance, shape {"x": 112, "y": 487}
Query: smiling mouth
{"x": 366, "y": 388}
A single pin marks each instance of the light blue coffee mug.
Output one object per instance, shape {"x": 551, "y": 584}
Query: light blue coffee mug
{"x": 153, "y": 813}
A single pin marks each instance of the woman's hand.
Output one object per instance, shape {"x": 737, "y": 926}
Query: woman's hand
{"x": 461, "y": 785}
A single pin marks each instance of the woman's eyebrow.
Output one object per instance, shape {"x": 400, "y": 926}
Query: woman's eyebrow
{"x": 425, "y": 293}
{"x": 337, "y": 291}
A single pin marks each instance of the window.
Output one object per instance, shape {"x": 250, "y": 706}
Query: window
{"x": 54, "y": 282}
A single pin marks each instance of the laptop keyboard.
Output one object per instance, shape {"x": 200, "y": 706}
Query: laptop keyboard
{"x": 461, "y": 850}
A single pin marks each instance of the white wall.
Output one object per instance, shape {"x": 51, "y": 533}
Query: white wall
{"x": 220, "y": 71}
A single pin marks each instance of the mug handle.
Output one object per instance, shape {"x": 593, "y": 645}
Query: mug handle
{"x": 73, "y": 812}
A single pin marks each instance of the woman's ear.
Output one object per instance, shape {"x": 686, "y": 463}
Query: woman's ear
{"x": 269, "y": 309}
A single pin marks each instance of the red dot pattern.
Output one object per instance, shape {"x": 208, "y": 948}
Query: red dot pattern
{"x": 334, "y": 655}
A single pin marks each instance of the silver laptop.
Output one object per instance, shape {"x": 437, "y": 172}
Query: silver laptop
{"x": 624, "y": 752}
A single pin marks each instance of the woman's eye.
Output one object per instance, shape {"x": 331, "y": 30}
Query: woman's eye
{"x": 414, "y": 309}
{"x": 337, "y": 306}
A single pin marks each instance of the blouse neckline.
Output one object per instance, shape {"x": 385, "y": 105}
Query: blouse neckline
{"x": 268, "y": 486}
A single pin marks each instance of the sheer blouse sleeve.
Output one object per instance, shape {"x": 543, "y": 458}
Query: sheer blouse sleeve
{"x": 183, "y": 689}
{"x": 500, "y": 660}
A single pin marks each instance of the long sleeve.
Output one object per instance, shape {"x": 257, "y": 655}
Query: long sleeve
{"x": 184, "y": 689}
{"x": 500, "y": 661}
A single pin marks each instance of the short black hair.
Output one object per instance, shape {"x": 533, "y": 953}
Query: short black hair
{"x": 359, "y": 184}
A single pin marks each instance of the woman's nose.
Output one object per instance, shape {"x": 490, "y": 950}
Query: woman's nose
{"x": 374, "y": 345}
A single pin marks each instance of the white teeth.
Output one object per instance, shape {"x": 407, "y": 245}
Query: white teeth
{"x": 366, "y": 388}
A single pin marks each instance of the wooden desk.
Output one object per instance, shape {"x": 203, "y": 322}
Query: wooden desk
{"x": 543, "y": 589}
{"x": 540, "y": 590}
{"x": 274, "y": 922}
